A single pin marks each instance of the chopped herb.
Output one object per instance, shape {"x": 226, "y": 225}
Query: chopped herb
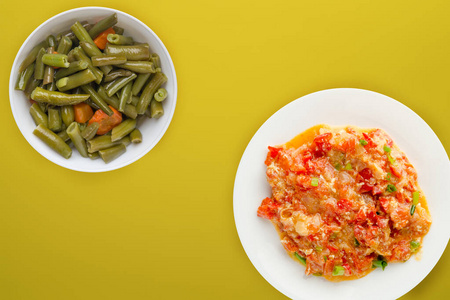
{"x": 301, "y": 259}
{"x": 338, "y": 271}
{"x": 348, "y": 166}
{"x": 416, "y": 196}
{"x": 325, "y": 258}
{"x": 379, "y": 264}
{"x": 388, "y": 176}
{"x": 338, "y": 166}
{"x": 387, "y": 149}
{"x": 391, "y": 188}
{"x": 391, "y": 159}
{"x": 413, "y": 208}
{"x": 357, "y": 243}
{"x": 333, "y": 235}
{"x": 318, "y": 248}
{"x": 414, "y": 245}
{"x": 317, "y": 274}
{"x": 314, "y": 181}
{"x": 363, "y": 142}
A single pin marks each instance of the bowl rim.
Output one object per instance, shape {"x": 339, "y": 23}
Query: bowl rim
{"x": 105, "y": 167}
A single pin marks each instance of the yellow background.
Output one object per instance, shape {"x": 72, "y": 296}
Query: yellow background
{"x": 163, "y": 227}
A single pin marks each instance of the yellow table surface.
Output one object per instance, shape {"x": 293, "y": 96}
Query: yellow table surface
{"x": 163, "y": 227}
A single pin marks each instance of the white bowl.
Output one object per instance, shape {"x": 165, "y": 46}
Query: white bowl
{"x": 152, "y": 129}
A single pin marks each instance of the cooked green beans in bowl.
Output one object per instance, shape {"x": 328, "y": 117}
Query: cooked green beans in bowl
{"x": 93, "y": 89}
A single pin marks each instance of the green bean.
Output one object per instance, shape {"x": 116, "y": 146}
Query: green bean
{"x": 24, "y": 77}
{"x": 148, "y": 92}
{"x": 102, "y": 25}
{"x": 139, "y": 83}
{"x": 134, "y": 100}
{"x": 156, "y": 60}
{"x": 94, "y": 155}
{"x": 92, "y": 104}
{"x": 136, "y": 136}
{"x": 64, "y": 46}
{"x": 57, "y": 98}
{"x": 73, "y": 131}
{"x": 39, "y": 65}
{"x": 95, "y": 97}
{"x": 118, "y": 30}
{"x": 111, "y": 59}
{"x": 74, "y": 67}
{"x": 67, "y": 114}
{"x": 119, "y": 83}
{"x": 158, "y": 70}
{"x": 38, "y": 115}
{"x": 124, "y": 96}
{"x": 90, "y": 131}
{"x": 70, "y": 56}
{"x": 103, "y": 142}
{"x": 49, "y": 72}
{"x": 63, "y": 135}
{"x": 51, "y": 86}
{"x": 51, "y": 41}
{"x": 82, "y": 126}
{"x": 55, "y": 60}
{"x": 75, "y": 80}
{"x": 53, "y": 140}
{"x": 80, "y": 55}
{"x": 123, "y": 129}
{"x": 31, "y": 85}
{"x": 54, "y": 119}
{"x": 81, "y": 33}
{"x": 139, "y": 66}
{"x": 31, "y": 57}
{"x": 132, "y": 52}
{"x": 130, "y": 110}
{"x": 156, "y": 109}
{"x": 92, "y": 50}
{"x": 160, "y": 95}
{"x": 43, "y": 106}
{"x": 113, "y": 99}
{"x": 112, "y": 153}
{"x": 117, "y": 73}
{"x": 118, "y": 39}
{"x": 69, "y": 33}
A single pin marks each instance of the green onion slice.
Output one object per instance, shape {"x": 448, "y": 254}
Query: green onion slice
{"x": 387, "y": 149}
{"x": 338, "y": 271}
{"x": 301, "y": 259}
{"x": 379, "y": 264}
{"x": 391, "y": 188}
{"x": 388, "y": 176}
{"x": 414, "y": 245}
{"x": 416, "y": 196}
{"x": 348, "y": 166}
{"x": 314, "y": 181}
{"x": 413, "y": 208}
{"x": 363, "y": 142}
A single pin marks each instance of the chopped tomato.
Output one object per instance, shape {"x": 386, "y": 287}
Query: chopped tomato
{"x": 272, "y": 154}
{"x": 323, "y": 143}
{"x": 267, "y": 209}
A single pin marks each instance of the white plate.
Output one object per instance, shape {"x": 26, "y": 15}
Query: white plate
{"x": 152, "y": 129}
{"x": 342, "y": 107}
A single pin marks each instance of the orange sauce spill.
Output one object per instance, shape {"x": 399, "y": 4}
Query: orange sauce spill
{"x": 306, "y": 136}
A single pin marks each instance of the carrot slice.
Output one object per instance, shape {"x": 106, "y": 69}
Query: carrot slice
{"x": 107, "y": 123}
{"x": 83, "y": 112}
{"x": 101, "y": 40}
